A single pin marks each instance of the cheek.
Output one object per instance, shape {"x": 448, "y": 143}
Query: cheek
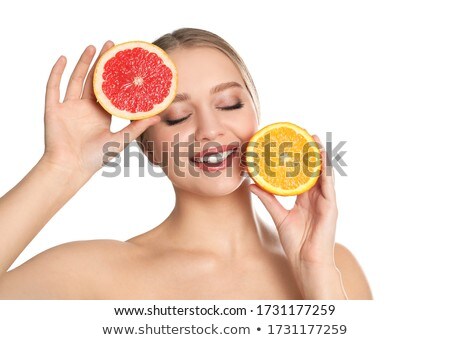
{"x": 155, "y": 143}
{"x": 245, "y": 125}
{"x": 163, "y": 144}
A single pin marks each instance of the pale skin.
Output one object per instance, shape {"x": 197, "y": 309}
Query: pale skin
{"x": 212, "y": 245}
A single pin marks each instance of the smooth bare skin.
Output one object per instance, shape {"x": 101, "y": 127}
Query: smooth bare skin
{"x": 212, "y": 246}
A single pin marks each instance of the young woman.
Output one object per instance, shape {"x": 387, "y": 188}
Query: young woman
{"x": 212, "y": 245}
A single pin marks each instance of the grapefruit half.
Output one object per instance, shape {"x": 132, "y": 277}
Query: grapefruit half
{"x": 135, "y": 80}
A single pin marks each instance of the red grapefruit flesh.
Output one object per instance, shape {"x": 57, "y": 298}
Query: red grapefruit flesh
{"x": 135, "y": 80}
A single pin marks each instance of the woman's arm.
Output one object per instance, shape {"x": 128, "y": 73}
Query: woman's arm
{"x": 75, "y": 132}
{"x": 26, "y": 208}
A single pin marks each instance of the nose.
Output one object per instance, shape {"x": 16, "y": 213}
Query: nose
{"x": 209, "y": 127}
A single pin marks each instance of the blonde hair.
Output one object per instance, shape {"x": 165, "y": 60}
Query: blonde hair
{"x": 194, "y": 37}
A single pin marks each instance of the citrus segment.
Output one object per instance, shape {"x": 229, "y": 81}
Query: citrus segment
{"x": 283, "y": 159}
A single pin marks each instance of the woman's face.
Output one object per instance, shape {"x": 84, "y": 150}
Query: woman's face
{"x": 210, "y": 119}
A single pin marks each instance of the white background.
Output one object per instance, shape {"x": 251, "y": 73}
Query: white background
{"x": 375, "y": 74}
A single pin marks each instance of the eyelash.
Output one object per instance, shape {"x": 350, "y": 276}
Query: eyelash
{"x": 236, "y": 106}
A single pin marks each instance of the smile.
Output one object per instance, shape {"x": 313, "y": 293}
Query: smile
{"x": 215, "y": 159}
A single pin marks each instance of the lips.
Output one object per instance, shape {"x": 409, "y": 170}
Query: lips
{"x": 212, "y": 151}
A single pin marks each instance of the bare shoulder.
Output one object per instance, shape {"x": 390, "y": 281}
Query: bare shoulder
{"x": 62, "y": 272}
{"x": 355, "y": 282}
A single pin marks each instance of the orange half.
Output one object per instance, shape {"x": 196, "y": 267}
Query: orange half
{"x": 283, "y": 159}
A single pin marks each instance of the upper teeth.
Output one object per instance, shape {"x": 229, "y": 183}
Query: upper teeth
{"x": 215, "y": 157}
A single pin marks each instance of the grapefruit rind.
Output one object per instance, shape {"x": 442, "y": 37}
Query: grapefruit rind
{"x": 104, "y": 101}
{"x": 260, "y": 180}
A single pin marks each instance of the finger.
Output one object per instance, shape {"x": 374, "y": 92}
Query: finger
{"x": 327, "y": 173}
{"x": 54, "y": 80}
{"x": 79, "y": 73}
{"x": 88, "y": 91}
{"x": 321, "y": 149}
{"x": 133, "y": 130}
{"x": 327, "y": 177}
{"x": 317, "y": 140}
{"x": 275, "y": 209}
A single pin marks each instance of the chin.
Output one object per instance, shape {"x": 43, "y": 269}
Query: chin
{"x": 212, "y": 186}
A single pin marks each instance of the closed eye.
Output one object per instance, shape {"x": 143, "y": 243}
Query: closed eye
{"x": 233, "y": 107}
{"x": 176, "y": 121}
{"x": 236, "y": 106}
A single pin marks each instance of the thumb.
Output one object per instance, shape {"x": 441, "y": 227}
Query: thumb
{"x": 133, "y": 130}
{"x": 275, "y": 209}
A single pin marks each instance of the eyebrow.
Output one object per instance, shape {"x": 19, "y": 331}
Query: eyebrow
{"x": 180, "y": 97}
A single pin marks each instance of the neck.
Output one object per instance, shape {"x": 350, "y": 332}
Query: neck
{"x": 225, "y": 225}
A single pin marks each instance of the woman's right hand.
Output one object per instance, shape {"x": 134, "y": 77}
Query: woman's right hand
{"x": 77, "y": 128}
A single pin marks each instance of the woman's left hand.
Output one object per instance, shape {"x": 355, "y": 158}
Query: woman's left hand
{"x": 307, "y": 234}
